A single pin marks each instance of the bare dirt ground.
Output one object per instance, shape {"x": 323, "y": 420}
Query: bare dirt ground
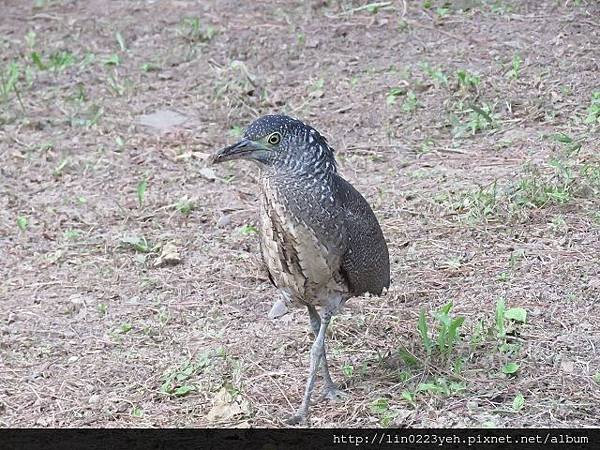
{"x": 470, "y": 126}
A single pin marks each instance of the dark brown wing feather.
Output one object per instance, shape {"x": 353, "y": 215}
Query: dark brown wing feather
{"x": 365, "y": 263}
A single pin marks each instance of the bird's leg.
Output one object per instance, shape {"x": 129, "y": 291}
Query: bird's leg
{"x": 330, "y": 391}
{"x": 316, "y": 353}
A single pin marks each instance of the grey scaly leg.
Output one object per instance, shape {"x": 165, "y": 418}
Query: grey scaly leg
{"x": 331, "y": 391}
{"x": 316, "y": 353}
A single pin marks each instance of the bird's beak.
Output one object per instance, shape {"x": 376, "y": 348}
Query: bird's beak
{"x": 242, "y": 150}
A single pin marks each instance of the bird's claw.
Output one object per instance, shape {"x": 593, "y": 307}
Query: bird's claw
{"x": 297, "y": 419}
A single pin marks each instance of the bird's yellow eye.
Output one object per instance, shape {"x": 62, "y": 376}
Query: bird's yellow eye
{"x": 274, "y": 138}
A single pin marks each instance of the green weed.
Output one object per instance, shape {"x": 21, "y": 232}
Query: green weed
{"x": 410, "y": 102}
{"x": 192, "y": 30}
{"x": 9, "y": 78}
{"x": 393, "y": 94}
{"x": 142, "y": 186}
{"x": 185, "y": 206}
{"x": 438, "y": 77}
{"x": 178, "y": 382}
{"x": 381, "y": 408}
{"x": 593, "y": 112}
{"x": 518, "y": 403}
{"x": 478, "y": 119}
{"x": 467, "y": 80}
{"x": 515, "y": 68}
{"x": 138, "y": 243}
{"x": 447, "y": 331}
{"x": 22, "y": 223}
{"x": 248, "y": 229}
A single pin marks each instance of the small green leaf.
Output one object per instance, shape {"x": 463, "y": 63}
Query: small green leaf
{"x": 184, "y": 390}
{"x": 516, "y": 314}
{"x": 139, "y": 244}
{"x": 500, "y": 313}
{"x": 424, "y": 332}
{"x": 596, "y": 377}
{"x": 37, "y": 60}
{"x": 22, "y": 223}
{"x": 409, "y": 397}
{"x": 112, "y": 60}
{"x": 348, "y": 370}
{"x": 510, "y": 368}
{"x": 248, "y": 229}
{"x": 408, "y": 358}
{"x": 121, "y": 41}
{"x": 518, "y": 402}
{"x": 141, "y": 191}
{"x": 482, "y": 113}
{"x": 125, "y": 328}
{"x": 380, "y": 406}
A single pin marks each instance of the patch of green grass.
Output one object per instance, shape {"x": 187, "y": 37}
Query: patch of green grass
{"x": 57, "y": 61}
{"x": 447, "y": 331}
{"x": 442, "y": 12}
{"x": 593, "y": 112}
{"x": 518, "y": 402}
{"x": 121, "y": 41}
{"x": 116, "y": 84}
{"x": 482, "y": 202}
{"x": 348, "y": 370}
{"x": 60, "y": 168}
{"x": 381, "y": 407}
{"x": 515, "y": 67}
{"x": 477, "y": 120}
{"x": 410, "y": 103}
{"x": 467, "y": 80}
{"x": 393, "y": 94}
{"x": 185, "y": 206}
{"x": 437, "y": 75}
{"x": 507, "y": 322}
{"x": 112, "y": 60}
{"x": 60, "y": 60}
{"x": 510, "y": 368}
{"x": 87, "y": 118}
{"x": 72, "y": 235}
{"x": 441, "y": 386}
{"x": 138, "y": 243}
{"x": 536, "y": 191}
{"x": 142, "y": 186}
{"x": 248, "y": 229}
{"x": 9, "y": 82}
{"x": 124, "y": 328}
{"x": 192, "y": 30}
{"x": 102, "y": 309}
{"x": 150, "y": 67}
{"x": 178, "y": 381}
{"x": 22, "y": 223}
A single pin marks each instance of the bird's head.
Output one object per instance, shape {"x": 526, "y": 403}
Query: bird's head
{"x": 283, "y": 144}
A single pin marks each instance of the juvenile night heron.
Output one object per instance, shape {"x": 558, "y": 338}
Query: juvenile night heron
{"x": 320, "y": 240}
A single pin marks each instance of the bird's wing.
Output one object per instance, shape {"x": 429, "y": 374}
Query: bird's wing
{"x": 365, "y": 263}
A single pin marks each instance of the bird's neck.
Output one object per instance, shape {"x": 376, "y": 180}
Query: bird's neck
{"x": 301, "y": 178}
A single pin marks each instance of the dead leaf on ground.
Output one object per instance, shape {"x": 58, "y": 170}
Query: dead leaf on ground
{"x": 226, "y": 406}
{"x": 169, "y": 256}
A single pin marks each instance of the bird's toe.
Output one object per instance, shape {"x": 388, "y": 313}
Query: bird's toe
{"x": 297, "y": 419}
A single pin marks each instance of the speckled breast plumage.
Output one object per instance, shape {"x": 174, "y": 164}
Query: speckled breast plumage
{"x": 301, "y": 261}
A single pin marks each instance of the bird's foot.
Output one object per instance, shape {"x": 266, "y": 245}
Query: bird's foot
{"x": 297, "y": 419}
{"x": 333, "y": 394}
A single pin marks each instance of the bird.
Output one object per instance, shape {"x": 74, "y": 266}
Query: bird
{"x": 320, "y": 241}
